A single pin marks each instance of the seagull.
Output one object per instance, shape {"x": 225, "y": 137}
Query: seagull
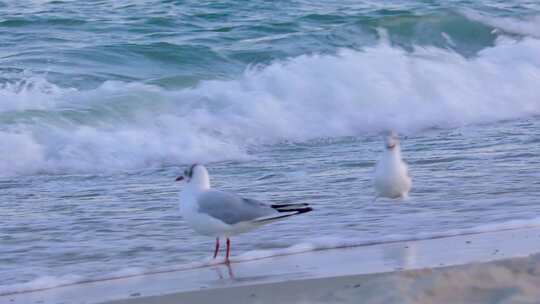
{"x": 223, "y": 214}
{"x": 392, "y": 178}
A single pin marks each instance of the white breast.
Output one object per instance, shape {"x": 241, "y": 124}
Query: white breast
{"x": 391, "y": 176}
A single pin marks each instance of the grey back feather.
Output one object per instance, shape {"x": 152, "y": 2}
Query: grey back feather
{"x": 230, "y": 208}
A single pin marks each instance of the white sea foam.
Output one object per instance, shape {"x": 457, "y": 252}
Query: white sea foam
{"x": 31, "y": 93}
{"x": 129, "y": 125}
{"x": 44, "y": 282}
{"x": 529, "y": 26}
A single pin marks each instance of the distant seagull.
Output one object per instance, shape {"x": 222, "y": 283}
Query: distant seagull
{"x": 223, "y": 214}
{"x": 392, "y": 178}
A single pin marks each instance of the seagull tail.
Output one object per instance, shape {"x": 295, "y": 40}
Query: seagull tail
{"x": 285, "y": 210}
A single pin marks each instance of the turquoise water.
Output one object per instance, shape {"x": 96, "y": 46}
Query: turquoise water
{"x": 103, "y": 103}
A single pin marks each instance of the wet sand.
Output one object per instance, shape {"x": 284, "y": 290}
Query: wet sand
{"x": 490, "y": 267}
{"x": 510, "y": 281}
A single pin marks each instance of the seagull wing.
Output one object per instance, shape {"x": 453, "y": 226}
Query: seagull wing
{"x": 231, "y": 208}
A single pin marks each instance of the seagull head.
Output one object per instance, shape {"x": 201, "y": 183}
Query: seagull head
{"x": 195, "y": 174}
{"x": 392, "y": 141}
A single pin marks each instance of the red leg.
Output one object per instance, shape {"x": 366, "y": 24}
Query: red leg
{"x": 217, "y": 248}
{"x": 228, "y": 251}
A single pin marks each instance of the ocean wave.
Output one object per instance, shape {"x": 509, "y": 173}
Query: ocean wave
{"x": 31, "y": 93}
{"x": 121, "y": 125}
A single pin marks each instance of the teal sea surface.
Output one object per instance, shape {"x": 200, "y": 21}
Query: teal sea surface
{"x": 103, "y": 103}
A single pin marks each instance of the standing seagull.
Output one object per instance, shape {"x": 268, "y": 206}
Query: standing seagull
{"x": 392, "y": 178}
{"x": 223, "y": 214}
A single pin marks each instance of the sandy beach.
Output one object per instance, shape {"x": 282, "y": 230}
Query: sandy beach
{"x": 508, "y": 281}
{"x": 489, "y": 267}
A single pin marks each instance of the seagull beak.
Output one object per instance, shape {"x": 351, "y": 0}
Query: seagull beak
{"x": 180, "y": 178}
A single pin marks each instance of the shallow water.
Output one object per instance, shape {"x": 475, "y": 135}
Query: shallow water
{"x": 103, "y": 104}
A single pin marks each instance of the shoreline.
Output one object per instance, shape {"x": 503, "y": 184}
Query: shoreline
{"x": 335, "y": 267}
{"x": 502, "y": 281}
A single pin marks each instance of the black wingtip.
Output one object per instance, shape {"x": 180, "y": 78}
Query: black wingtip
{"x": 276, "y": 206}
{"x": 289, "y": 211}
{"x": 299, "y": 208}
